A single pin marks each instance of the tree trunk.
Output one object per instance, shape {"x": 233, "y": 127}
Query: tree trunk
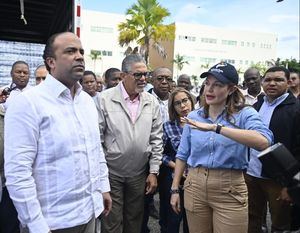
{"x": 147, "y": 43}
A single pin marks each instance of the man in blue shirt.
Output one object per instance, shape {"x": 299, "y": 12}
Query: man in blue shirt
{"x": 280, "y": 111}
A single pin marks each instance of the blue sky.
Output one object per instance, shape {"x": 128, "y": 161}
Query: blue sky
{"x": 280, "y": 18}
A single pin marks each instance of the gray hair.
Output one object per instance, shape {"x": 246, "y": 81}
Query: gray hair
{"x": 130, "y": 60}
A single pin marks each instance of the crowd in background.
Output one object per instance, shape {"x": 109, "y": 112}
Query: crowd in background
{"x": 83, "y": 153}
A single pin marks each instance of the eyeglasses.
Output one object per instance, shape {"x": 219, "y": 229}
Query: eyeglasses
{"x": 139, "y": 75}
{"x": 40, "y": 78}
{"x": 160, "y": 78}
{"x": 184, "y": 101}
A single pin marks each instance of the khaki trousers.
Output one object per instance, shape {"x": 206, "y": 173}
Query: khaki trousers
{"x": 216, "y": 201}
{"x": 84, "y": 228}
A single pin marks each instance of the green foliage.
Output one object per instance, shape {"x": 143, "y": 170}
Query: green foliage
{"x": 180, "y": 61}
{"x": 95, "y": 55}
{"x": 144, "y": 24}
{"x": 288, "y": 63}
{"x": 262, "y": 68}
{"x": 291, "y": 64}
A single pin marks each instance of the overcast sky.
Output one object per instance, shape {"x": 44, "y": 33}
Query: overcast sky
{"x": 280, "y": 18}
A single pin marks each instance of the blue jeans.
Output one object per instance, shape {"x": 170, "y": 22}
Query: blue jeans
{"x": 169, "y": 221}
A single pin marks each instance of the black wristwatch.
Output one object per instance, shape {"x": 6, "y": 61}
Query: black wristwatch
{"x": 174, "y": 191}
{"x": 219, "y": 127}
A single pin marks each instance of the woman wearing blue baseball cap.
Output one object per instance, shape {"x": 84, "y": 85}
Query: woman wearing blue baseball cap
{"x": 214, "y": 145}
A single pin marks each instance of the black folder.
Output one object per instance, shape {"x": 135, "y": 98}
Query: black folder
{"x": 279, "y": 164}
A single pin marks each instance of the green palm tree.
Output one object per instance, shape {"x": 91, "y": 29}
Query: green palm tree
{"x": 95, "y": 55}
{"x": 145, "y": 26}
{"x": 179, "y": 62}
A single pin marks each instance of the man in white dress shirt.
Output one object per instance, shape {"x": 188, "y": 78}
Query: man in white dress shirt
{"x": 55, "y": 169}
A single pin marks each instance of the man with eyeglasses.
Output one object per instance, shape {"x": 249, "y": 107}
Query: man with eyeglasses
{"x": 161, "y": 81}
{"x": 40, "y": 74}
{"x": 280, "y": 110}
{"x": 131, "y": 127}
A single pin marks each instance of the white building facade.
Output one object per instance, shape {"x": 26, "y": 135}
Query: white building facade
{"x": 202, "y": 46}
{"x": 99, "y": 31}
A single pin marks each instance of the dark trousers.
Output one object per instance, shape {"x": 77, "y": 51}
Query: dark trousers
{"x": 127, "y": 211}
{"x": 261, "y": 191}
{"x": 147, "y": 202}
{"x": 9, "y": 222}
{"x": 169, "y": 221}
{"x": 84, "y": 228}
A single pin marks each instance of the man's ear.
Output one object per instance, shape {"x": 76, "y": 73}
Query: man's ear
{"x": 122, "y": 75}
{"x": 51, "y": 62}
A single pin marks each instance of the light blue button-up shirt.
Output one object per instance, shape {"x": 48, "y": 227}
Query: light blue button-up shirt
{"x": 212, "y": 150}
{"x": 266, "y": 112}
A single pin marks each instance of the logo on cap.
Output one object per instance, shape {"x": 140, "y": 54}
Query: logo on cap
{"x": 222, "y": 64}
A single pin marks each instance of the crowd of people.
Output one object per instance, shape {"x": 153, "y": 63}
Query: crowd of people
{"x": 80, "y": 153}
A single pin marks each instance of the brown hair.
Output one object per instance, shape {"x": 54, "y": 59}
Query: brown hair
{"x": 173, "y": 115}
{"x": 234, "y": 103}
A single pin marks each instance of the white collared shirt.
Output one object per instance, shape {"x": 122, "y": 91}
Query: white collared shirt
{"x": 54, "y": 163}
{"x": 249, "y": 99}
{"x": 163, "y": 107}
{"x": 15, "y": 92}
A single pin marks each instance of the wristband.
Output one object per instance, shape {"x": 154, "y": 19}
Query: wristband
{"x": 219, "y": 127}
{"x": 174, "y": 191}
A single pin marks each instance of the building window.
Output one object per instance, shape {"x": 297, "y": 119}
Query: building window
{"x": 231, "y": 61}
{"x": 187, "y": 38}
{"x": 266, "y": 46}
{"x": 242, "y": 43}
{"x": 101, "y": 29}
{"x": 241, "y": 62}
{"x": 104, "y": 52}
{"x": 229, "y": 42}
{"x": 208, "y": 60}
{"x": 209, "y": 40}
{"x": 189, "y": 58}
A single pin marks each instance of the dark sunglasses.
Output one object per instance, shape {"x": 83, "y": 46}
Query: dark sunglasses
{"x": 160, "y": 78}
{"x": 139, "y": 75}
{"x": 40, "y": 78}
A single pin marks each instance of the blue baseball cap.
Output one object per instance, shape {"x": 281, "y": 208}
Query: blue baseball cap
{"x": 224, "y": 72}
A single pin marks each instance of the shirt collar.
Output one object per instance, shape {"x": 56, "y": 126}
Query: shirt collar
{"x": 125, "y": 94}
{"x": 277, "y": 101}
{"x": 57, "y": 88}
{"x": 159, "y": 99}
{"x": 246, "y": 93}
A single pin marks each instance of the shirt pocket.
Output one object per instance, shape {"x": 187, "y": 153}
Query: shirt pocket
{"x": 112, "y": 146}
{"x": 239, "y": 193}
